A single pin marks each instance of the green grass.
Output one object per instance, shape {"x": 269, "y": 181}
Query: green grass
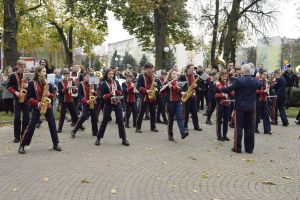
{"x": 292, "y": 112}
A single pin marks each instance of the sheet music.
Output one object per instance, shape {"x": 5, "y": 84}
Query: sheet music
{"x": 204, "y": 76}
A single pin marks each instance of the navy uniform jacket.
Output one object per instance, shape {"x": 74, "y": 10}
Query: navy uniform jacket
{"x": 84, "y": 92}
{"x": 13, "y": 84}
{"x": 106, "y": 91}
{"x": 280, "y": 87}
{"x": 142, "y": 87}
{"x": 63, "y": 91}
{"x": 128, "y": 91}
{"x": 211, "y": 90}
{"x": 184, "y": 78}
{"x": 245, "y": 92}
{"x": 35, "y": 93}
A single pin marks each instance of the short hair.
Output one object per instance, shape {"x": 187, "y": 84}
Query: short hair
{"x": 21, "y": 62}
{"x": 65, "y": 71}
{"x": 246, "y": 69}
{"x": 148, "y": 66}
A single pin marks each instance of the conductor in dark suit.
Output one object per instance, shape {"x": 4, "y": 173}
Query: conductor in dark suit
{"x": 245, "y": 102}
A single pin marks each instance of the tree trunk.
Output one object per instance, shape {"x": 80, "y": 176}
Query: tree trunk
{"x": 70, "y": 49}
{"x": 215, "y": 34}
{"x": 160, "y": 23}
{"x": 232, "y": 30}
{"x": 222, "y": 38}
{"x": 10, "y": 45}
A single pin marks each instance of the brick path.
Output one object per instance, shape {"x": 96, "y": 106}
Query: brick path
{"x": 199, "y": 167}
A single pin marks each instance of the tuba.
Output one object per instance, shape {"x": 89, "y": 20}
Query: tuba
{"x": 45, "y": 100}
{"x": 190, "y": 91}
{"x": 220, "y": 61}
{"x": 23, "y": 92}
{"x": 98, "y": 74}
{"x": 92, "y": 98}
{"x": 153, "y": 89}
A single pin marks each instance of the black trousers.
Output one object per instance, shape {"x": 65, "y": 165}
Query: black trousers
{"x": 161, "y": 109}
{"x": 107, "y": 110}
{"x": 245, "y": 124}
{"x": 200, "y": 100}
{"x": 143, "y": 106}
{"x": 35, "y": 117}
{"x": 24, "y": 109}
{"x": 190, "y": 106}
{"x": 72, "y": 110}
{"x": 223, "y": 116}
{"x": 130, "y": 108}
{"x": 211, "y": 108}
{"x": 280, "y": 106}
{"x": 262, "y": 113}
{"x": 86, "y": 113}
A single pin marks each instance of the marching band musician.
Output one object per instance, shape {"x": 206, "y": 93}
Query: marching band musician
{"x": 129, "y": 92}
{"x": 86, "y": 95}
{"x": 161, "y": 107}
{"x": 262, "y": 104}
{"x": 66, "y": 89}
{"x": 174, "y": 107}
{"x": 223, "y": 106}
{"x": 211, "y": 96}
{"x": 147, "y": 86}
{"x": 279, "y": 84}
{"x": 36, "y": 94}
{"x": 190, "y": 106}
{"x": 15, "y": 85}
{"x": 111, "y": 91}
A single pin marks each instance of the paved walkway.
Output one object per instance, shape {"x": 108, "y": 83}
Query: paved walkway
{"x": 199, "y": 167}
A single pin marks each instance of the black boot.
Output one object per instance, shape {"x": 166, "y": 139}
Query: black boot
{"x": 170, "y": 134}
{"x": 57, "y": 148}
{"x": 97, "y": 143}
{"x": 21, "y": 150}
{"x": 73, "y": 132}
{"x": 125, "y": 142}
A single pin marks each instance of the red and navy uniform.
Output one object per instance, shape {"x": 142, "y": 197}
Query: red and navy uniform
{"x": 262, "y": 107}
{"x": 34, "y": 96}
{"x": 77, "y": 79}
{"x": 161, "y": 105}
{"x": 190, "y": 106}
{"x": 143, "y": 84}
{"x": 280, "y": 90}
{"x": 14, "y": 85}
{"x": 130, "y": 102}
{"x": 245, "y": 100}
{"x": 84, "y": 96}
{"x": 66, "y": 100}
{"x": 111, "y": 103}
{"x": 223, "y": 110}
{"x": 174, "y": 107}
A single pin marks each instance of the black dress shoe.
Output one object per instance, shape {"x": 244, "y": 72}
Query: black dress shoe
{"x": 73, "y": 133}
{"x": 138, "y": 130}
{"x": 269, "y": 132}
{"x": 236, "y": 150}
{"x": 208, "y": 122}
{"x": 184, "y": 135}
{"x": 95, "y": 134}
{"x": 134, "y": 125}
{"x": 226, "y": 139}
{"x": 127, "y": 126}
{"x": 38, "y": 125}
{"x": 125, "y": 142}
{"x": 204, "y": 114}
{"x": 297, "y": 122}
{"x": 57, "y": 148}
{"x": 97, "y": 143}
{"x": 220, "y": 139}
{"x": 256, "y": 131}
{"x": 59, "y": 130}
{"x": 159, "y": 121}
{"x": 248, "y": 151}
{"x": 21, "y": 150}
{"x": 198, "y": 129}
{"x": 82, "y": 128}
{"x": 286, "y": 125}
{"x": 73, "y": 124}
{"x": 154, "y": 129}
{"x": 16, "y": 140}
{"x": 171, "y": 139}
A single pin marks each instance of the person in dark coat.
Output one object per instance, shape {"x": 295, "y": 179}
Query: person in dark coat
{"x": 245, "y": 101}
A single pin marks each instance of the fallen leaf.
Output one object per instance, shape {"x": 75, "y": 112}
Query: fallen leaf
{"x": 281, "y": 147}
{"x": 251, "y": 174}
{"x": 85, "y": 180}
{"x": 269, "y": 183}
{"x": 194, "y": 190}
{"x": 205, "y": 175}
{"x": 218, "y": 175}
{"x": 157, "y": 178}
{"x": 164, "y": 162}
{"x": 287, "y": 177}
{"x": 113, "y": 191}
{"x": 248, "y": 160}
{"x": 272, "y": 160}
{"x": 192, "y": 158}
{"x": 45, "y": 178}
{"x": 174, "y": 186}
{"x": 15, "y": 189}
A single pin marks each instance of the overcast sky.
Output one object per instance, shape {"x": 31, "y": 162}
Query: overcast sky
{"x": 288, "y": 24}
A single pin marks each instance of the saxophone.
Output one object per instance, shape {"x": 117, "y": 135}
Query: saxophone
{"x": 45, "y": 100}
{"x": 190, "y": 91}
{"x": 92, "y": 98}
{"x": 23, "y": 92}
{"x": 153, "y": 89}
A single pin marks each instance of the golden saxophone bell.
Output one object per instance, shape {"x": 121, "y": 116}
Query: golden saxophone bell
{"x": 23, "y": 93}
{"x": 98, "y": 74}
{"x": 125, "y": 73}
{"x": 220, "y": 61}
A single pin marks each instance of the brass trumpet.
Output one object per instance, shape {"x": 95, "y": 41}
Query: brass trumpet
{"x": 92, "y": 98}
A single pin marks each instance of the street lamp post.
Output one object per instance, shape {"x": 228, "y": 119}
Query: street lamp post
{"x": 1, "y": 36}
{"x": 118, "y": 59}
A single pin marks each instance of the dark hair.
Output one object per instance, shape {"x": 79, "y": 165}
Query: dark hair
{"x": 222, "y": 72}
{"x": 106, "y": 73}
{"x": 46, "y": 61}
{"x": 188, "y": 67}
{"x": 37, "y": 71}
{"x": 148, "y": 66}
